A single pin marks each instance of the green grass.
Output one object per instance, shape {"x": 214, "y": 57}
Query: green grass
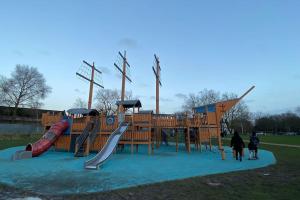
{"x": 279, "y": 181}
{"x": 281, "y": 139}
{"x": 277, "y": 139}
{"x": 7, "y": 141}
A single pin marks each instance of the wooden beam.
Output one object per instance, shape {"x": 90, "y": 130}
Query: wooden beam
{"x": 88, "y": 79}
{"x": 122, "y": 72}
{"x": 92, "y": 66}
{"x": 247, "y": 92}
{"x": 124, "y": 58}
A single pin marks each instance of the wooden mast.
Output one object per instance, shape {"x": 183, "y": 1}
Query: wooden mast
{"x": 156, "y": 71}
{"x": 124, "y": 77}
{"x": 91, "y": 80}
{"x": 158, "y": 83}
{"x": 91, "y": 87}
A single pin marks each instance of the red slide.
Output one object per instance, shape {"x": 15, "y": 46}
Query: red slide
{"x": 48, "y": 138}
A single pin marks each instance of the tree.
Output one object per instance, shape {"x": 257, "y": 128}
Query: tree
{"x": 80, "y": 103}
{"x": 298, "y": 110}
{"x": 3, "y": 95}
{"x": 35, "y": 105}
{"x": 281, "y": 123}
{"x": 25, "y": 87}
{"x": 203, "y": 97}
{"x": 106, "y": 100}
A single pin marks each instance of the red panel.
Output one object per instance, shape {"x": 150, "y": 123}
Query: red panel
{"x": 45, "y": 143}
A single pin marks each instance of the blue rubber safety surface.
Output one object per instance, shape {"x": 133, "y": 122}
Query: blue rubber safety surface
{"x": 62, "y": 173}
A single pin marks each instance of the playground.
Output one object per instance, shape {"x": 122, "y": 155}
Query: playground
{"x": 83, "y": 151}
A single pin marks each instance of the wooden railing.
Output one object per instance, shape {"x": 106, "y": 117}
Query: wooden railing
{"x": 142, "y": 118}
{"x": 137, "y": 136}
{"x": 163, "y": 120}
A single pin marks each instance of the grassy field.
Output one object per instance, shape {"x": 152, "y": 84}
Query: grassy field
{"x": 280, "y": 181}
{"x": 17, "y": 140}
{"x": 279, "y": 139}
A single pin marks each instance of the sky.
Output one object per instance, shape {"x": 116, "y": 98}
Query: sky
{"x": 227, "y": 46}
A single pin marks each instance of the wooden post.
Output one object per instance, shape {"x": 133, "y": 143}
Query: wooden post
{"x": 149, "y": 145}
{"x": 121, "y": 108}
{"x": 91, "y": 87}
{"x": 219, "y": 132}
{"x": 159, "y": 137}
{"x": 131, "y": 144}
{"x": 188, "y": 140}
{"x": 210, "y": 143}
{"x": 199, "y": 136}
{"x": 123, "y": 78}
{"x": 87, "y": 149}
{"x": 157, "y": 84}
{"x": 131, "y": 141}
{"x": 176, "y": 131}
{"x": 133, "y": 130}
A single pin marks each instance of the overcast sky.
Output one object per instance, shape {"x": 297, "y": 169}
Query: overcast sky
{"x": 227, "y": 46}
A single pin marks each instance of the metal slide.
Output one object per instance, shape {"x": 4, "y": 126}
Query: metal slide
{"x": 108, "y": 148}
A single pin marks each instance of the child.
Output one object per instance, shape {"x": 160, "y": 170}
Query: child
{"x": 252, "y": 146}
{"x": 164, "y": 137}
{"x": 238, "y": 145}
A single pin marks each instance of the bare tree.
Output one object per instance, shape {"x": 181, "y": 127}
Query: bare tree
{"x": 106, "y": 100}
{"x": 203, "y": 97}
{"x": 35, "y": 105}
{"x": 25, "y": 87}
{"x": 208, "y": 97}
{"x": 298, "y": 110}
{"x": 80, "y": 103}
{"x": 3, "y": 96}
{"x": 128, "y": 95}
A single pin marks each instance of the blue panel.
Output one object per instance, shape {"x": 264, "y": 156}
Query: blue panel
{"x": 211, "y": 108}
{"x": 202, "y": 109}
{"x": 68, "y": 131}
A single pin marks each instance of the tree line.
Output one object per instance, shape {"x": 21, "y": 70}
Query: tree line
{"x": 280, "y": 123}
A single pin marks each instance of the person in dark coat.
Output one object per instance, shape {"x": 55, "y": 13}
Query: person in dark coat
{"x": 252, "y": 146}
{"x": 238, "y": 145}
{"x": 164, "y": 137}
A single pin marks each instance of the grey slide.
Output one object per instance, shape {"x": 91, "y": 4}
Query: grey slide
{"x": 107, "y": 149}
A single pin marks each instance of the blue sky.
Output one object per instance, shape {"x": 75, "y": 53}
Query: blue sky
{"x": 227, "y": 46}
